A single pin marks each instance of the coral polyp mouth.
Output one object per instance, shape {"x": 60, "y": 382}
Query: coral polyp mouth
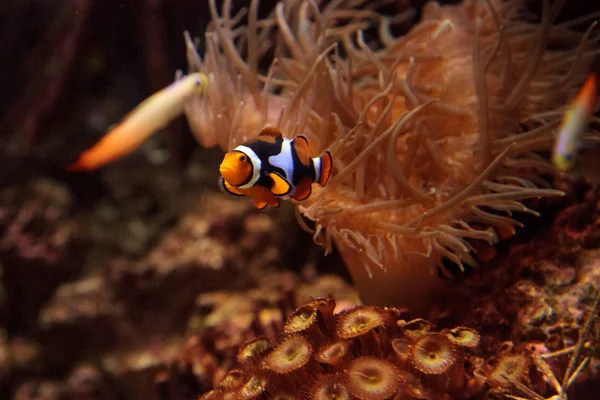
{"x": 433, "y": 354}
{"x": 372, "y": 378}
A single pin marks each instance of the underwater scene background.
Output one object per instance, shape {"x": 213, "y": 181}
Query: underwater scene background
{"x": 446, "y": 258}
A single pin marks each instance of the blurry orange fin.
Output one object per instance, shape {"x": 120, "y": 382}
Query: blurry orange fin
{"x": 504, "y": 232}
{"x": 326, "y": 166}
{"x": 260, "y": 204}
{"x": 111, "y": 146}
{"x": 147, "y": 118}
{"x": 280, "y": 187}
{"x": 227, "y": 188}
{"x": 301, "y": 147}
{"x": 80, "y": 165}
{"x": 302, "y": 190}
{"x": 484, "y": 252}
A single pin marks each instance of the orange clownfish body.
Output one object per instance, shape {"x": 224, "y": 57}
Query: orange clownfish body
{"x": 272, "y": 167}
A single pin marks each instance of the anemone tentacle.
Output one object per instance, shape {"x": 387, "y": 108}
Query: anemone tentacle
{"x": 434, "y": 134}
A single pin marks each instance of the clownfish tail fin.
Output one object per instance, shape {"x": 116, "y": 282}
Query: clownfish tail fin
{"x": 323, "y": 166}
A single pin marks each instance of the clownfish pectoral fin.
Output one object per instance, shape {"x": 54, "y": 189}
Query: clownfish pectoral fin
{"x": 303, "y": 190}
{"x": 301, "y": 147}
{"x": 326, "y": 167}
{"x": 269, "y": 134}
{"x": 259, "y": 204}
{"x": 227, "y": 188}
{"x": 281, "y": 186}
{"x": 262, "y": 197}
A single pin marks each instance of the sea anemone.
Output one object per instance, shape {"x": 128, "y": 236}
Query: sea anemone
{"x": 434, "y": 134}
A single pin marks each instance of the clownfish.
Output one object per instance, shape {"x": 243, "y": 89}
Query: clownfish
{"x": 575, "y": 121}
{"x": 271, "y": 167}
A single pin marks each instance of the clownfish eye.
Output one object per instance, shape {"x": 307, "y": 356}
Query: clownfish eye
{"x": 243, "y": 158}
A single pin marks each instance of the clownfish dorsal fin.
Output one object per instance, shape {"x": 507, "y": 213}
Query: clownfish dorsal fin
{"x": 269, "y": 134}
{"x": 281, "y": 186}
{"x": 227, "y": 188}
{"x": 301, "y": 148}
{"x": 271, "y": 131}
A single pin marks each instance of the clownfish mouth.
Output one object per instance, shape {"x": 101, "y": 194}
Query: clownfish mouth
{"x": 228, "y": 173}
{"x": 225, "y": 169}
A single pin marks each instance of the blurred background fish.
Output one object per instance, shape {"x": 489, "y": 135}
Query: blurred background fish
{"x": 573, "y": 126}
{"x": 575, "y": 155}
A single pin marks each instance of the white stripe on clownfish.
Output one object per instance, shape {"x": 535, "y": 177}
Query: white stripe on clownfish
{"x": 284, "y": 160}
{"x": 256, "y": 165}
{"x": 317, "y": 166}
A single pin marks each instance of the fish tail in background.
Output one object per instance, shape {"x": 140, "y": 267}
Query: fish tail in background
{"x": 326, "y": 166}
{"x": 573, "y": 125}
{"x": 147, "y": 118}
{"x": 588, "y": 96}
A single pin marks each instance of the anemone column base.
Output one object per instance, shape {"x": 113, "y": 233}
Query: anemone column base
{"x": 409, "y": 281}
